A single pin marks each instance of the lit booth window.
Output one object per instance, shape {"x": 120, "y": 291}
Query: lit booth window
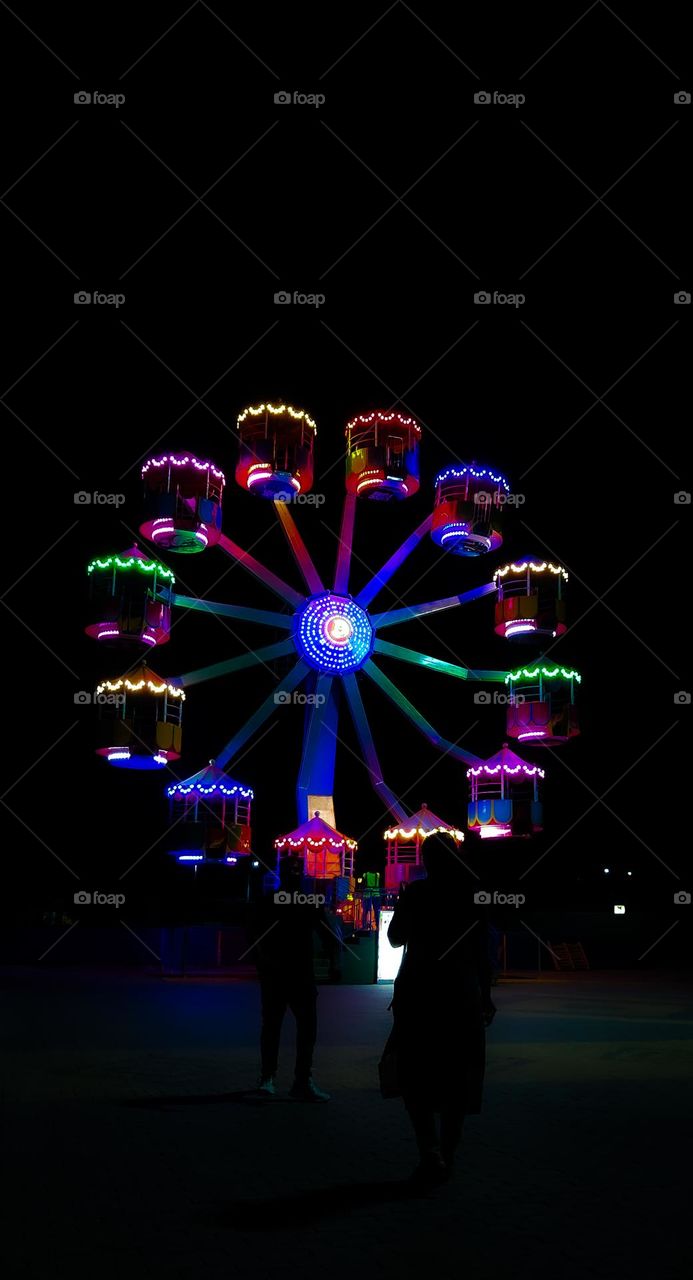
{"x": 389, "y": 958}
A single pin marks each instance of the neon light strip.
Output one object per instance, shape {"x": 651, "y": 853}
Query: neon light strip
{"x": 379, "y": 415}
{"x": 187, "y": 461}
{"x": 144, "y": 566}
{"x": 399, "y": 832}
{"x": 493, "y": 769}
{"x": 523, "y": 674}
{"x": 534, "y": 568}
{"x": 276, "y": 411}
{"x": 119, "y": 755}
{"x": 190, "y": 857}
{"x": 457, "y": 473}
{"x": 114, "y": 685}
{"x": 181, "y": 789}
{"x": 492, "y": 833}
{"x": 536, "y": 733}
{"x": 113, "y": 631}
{"x": 519, "y": 628}
{"x": 315, "y": 844}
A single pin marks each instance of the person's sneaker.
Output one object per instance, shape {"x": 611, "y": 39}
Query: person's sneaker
{"x": 308, "y": 1092}
{"x": 266, "y": 1088}
{"x": 431, "y": 1172}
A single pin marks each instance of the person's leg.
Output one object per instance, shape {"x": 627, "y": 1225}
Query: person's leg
{"x": 273, "y": 1010}
{"x": 303, "y": 1005}
{"x": 451, "y": 1122}
{"x": 423, "y": 1122}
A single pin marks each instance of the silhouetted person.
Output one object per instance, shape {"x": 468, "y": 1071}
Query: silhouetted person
{"x": 282, "y": 930}
{"x": 441, "y": 1004}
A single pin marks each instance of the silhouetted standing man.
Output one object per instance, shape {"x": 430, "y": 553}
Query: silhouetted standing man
{"x": 283, "y": 929}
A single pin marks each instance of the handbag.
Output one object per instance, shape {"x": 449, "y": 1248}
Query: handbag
{"x": 388, "y": 1069}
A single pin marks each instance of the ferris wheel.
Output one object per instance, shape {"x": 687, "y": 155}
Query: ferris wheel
{"x": 336, "y": 636}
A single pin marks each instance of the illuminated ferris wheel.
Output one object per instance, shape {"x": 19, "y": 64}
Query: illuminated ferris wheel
{"x": 335, "y": 636}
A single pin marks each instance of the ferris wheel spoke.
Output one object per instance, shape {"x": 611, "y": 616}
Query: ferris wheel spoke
{"x": 253, "y": 658}
{"x": 316, "y": 774}
{"x": 264, "y": 711}
{"x": 265, "y": 617}
{"x": 421, "y": 723}
{"x": 409, "y": 611}
{"x": 379, "y": 580}
{"x": 370, "y": 755}
{"x": 346, "y": 537}
{"x": 265, "y": 575}
{"x": 421, "y": 659}
{"x": 302, "y": 556}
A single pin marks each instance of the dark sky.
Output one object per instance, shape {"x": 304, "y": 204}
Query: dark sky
{"x": 573, "y": 394}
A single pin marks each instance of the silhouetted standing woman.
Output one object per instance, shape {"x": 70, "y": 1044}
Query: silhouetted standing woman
{"x": 441, "y": 1004}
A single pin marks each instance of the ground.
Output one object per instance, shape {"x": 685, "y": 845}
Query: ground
{"x": 132, "y": 1153}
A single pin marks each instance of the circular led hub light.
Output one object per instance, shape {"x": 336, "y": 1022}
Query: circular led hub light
{"x": 333, "y": 633}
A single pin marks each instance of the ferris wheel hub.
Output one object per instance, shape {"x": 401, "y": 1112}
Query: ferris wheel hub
{"x": 333, "y": 633}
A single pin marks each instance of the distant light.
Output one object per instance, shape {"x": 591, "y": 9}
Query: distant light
{"x": 606, "y": 871}
{"x": 231, "y": 859}
{"x": 256, "y": 864}
{"x": 190, "y": 857}
{"x": 389, "y": 958}
{"x": 629, "y": 873}
{"x": 619, "y": 910}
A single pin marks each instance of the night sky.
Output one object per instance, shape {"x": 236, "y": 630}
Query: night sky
{"x": 573, "y": 395}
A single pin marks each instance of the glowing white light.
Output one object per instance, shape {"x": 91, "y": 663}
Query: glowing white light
{"x": 389, "y": 958}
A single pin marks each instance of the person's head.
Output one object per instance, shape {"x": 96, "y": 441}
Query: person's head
{"x": 291, "y": 872}
{"x": 441, "y": 859}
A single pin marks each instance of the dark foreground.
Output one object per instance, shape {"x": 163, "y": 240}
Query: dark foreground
{"x": 130, "y": 1150}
